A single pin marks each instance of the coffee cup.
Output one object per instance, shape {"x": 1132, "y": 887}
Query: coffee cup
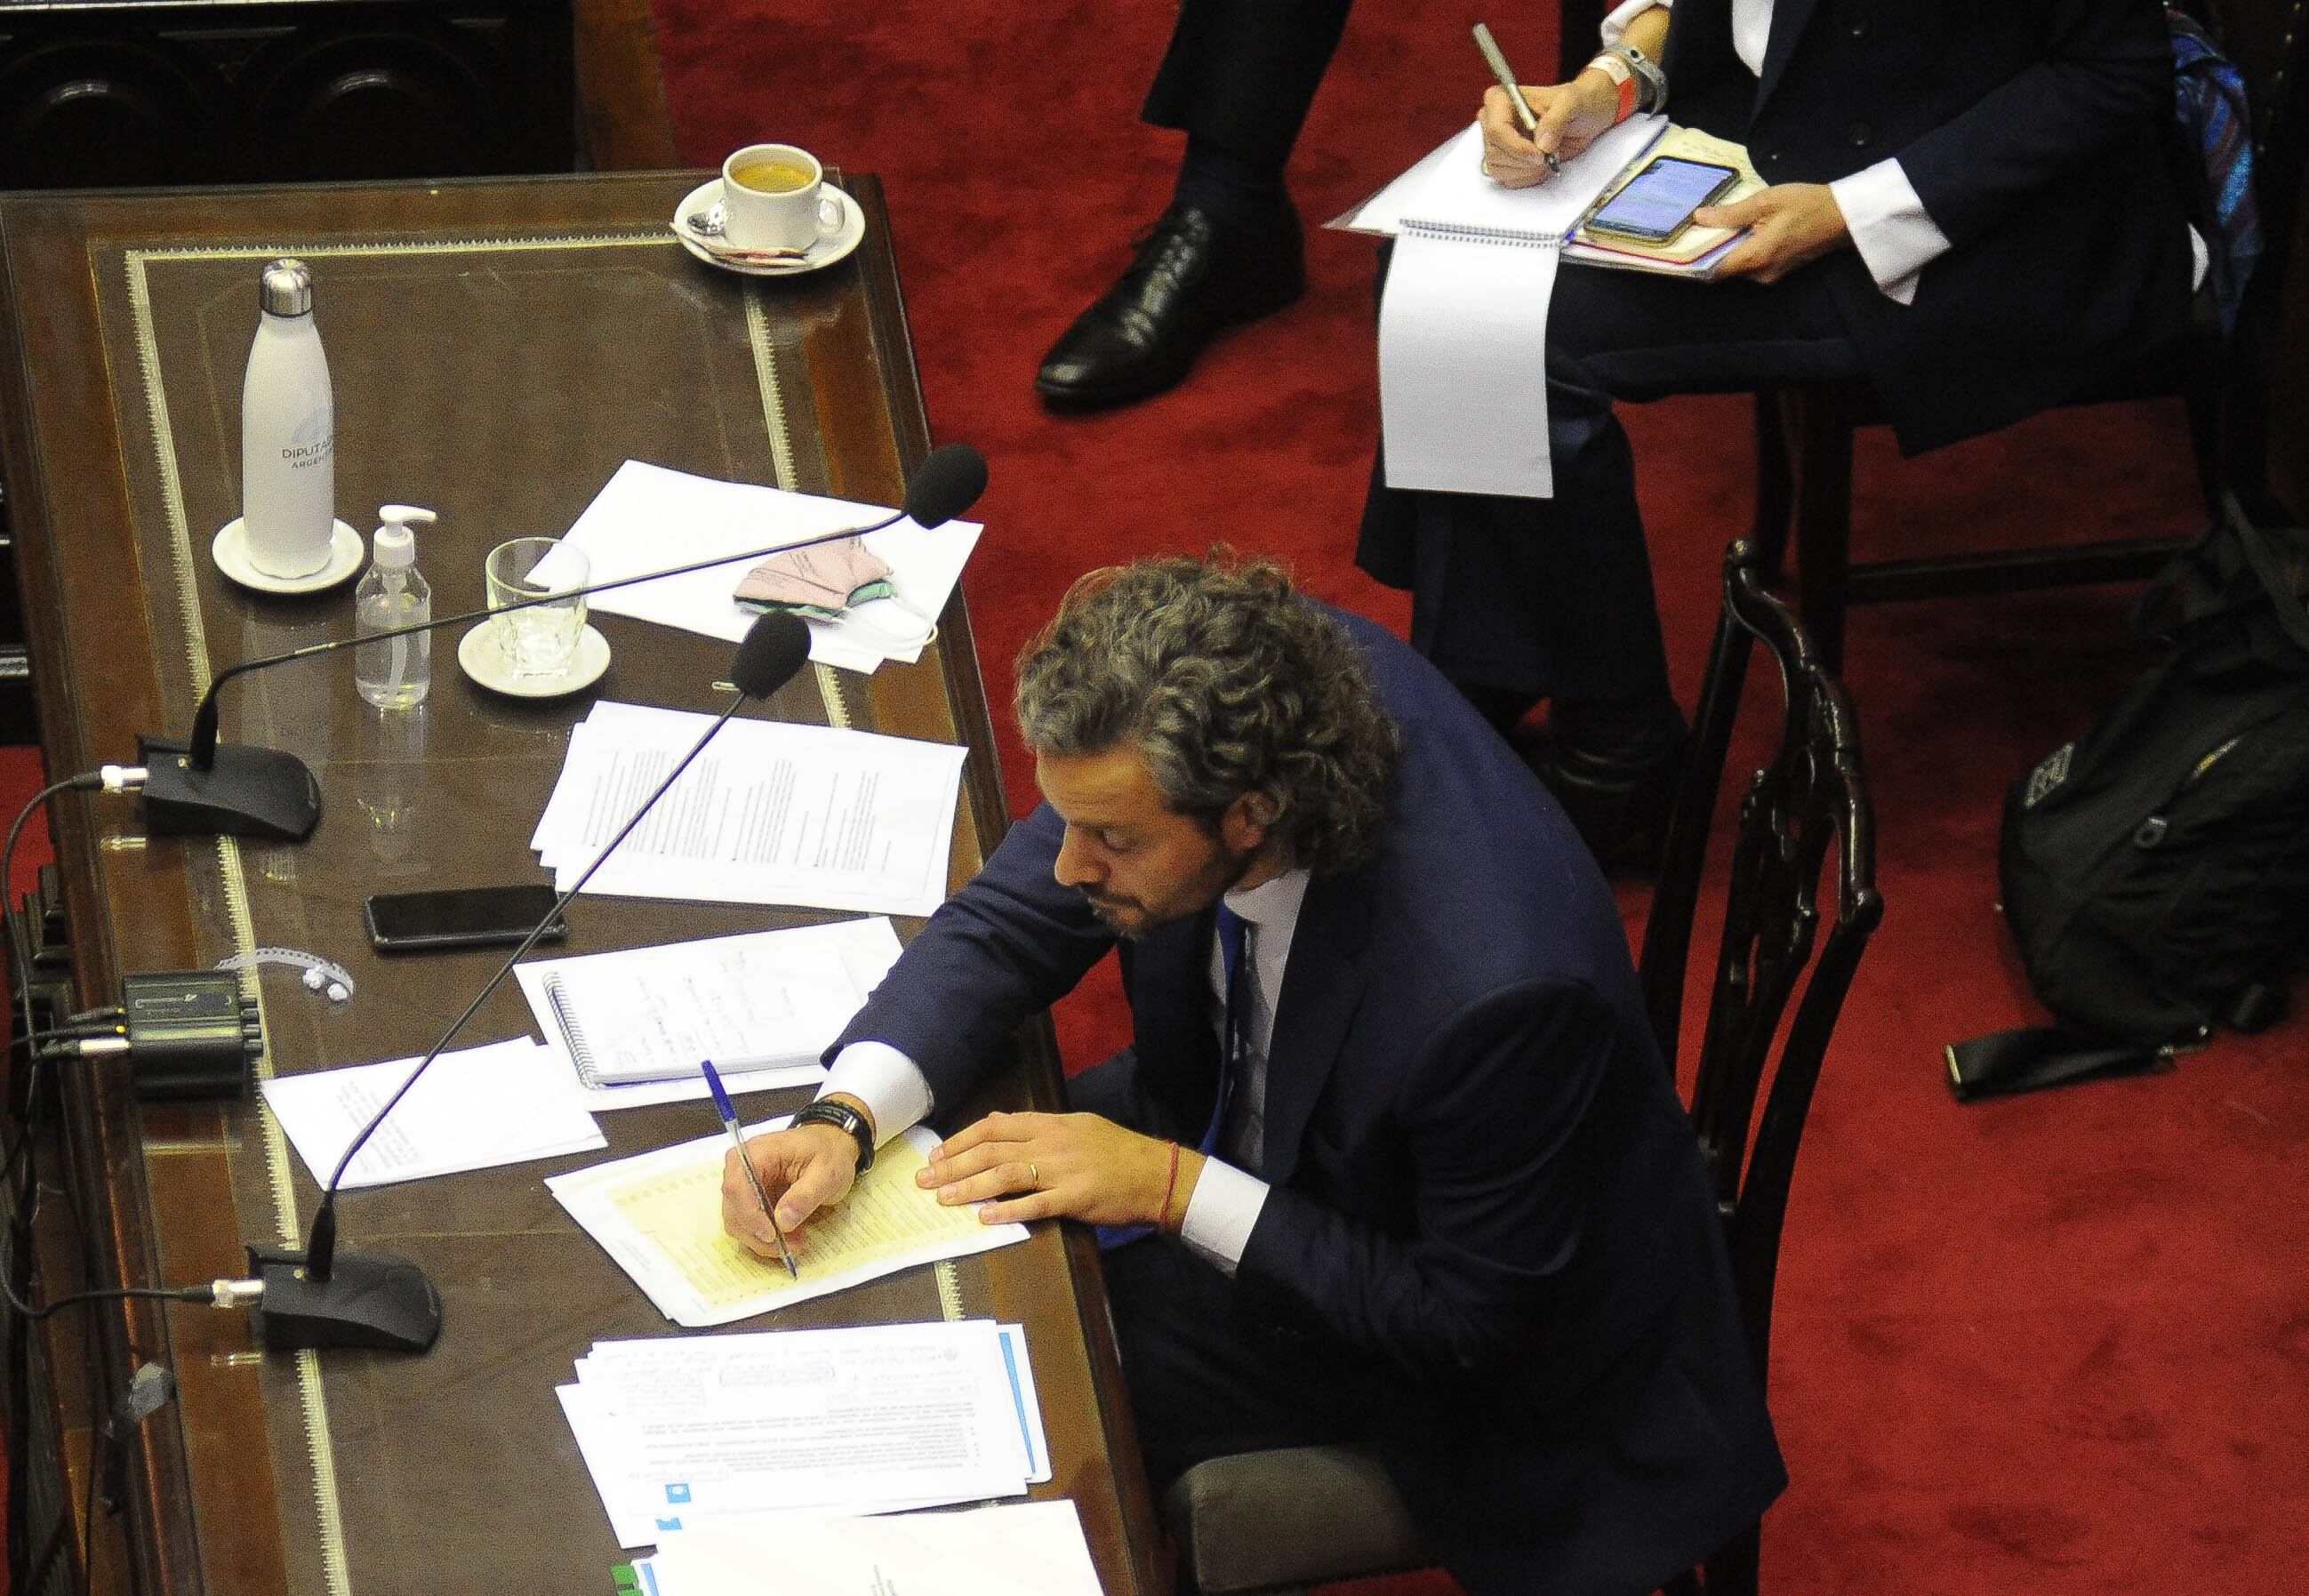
{"x": 774, "y": 197}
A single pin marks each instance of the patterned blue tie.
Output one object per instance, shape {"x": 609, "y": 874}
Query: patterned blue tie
{"x": 1231, "y": 928}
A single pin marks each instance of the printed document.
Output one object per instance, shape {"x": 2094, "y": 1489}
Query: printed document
{"x": 759, "y": 1005}
{"x": 647, "y": 518}
{"x": 1017, "y": 1549}
{"x": 641, "y": 1515}
{"x": 483, "y": 1107}
{"x": 659, "y": 1214}
{"x": 857, "y": 1419}
{"x": 770, "y": 813}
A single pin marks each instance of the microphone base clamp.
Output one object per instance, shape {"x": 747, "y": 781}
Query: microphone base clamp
{"x": 370, "y": 1299}
{"x": 248, "y": 791}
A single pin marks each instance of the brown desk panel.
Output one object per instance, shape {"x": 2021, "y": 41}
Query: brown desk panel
{"x": 497, "y": 350}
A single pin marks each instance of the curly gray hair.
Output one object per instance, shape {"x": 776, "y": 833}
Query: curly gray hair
{"x": 1226, "y": 682}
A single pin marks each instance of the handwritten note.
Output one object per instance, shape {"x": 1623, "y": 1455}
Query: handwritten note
{"x": 659, "y": 1215}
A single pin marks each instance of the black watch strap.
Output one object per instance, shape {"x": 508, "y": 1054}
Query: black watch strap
{"x": 829, "y": 1111}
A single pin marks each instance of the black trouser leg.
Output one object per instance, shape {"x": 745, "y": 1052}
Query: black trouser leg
{"x": 1552, "y": 597}
{"x": 1242, "y": 74}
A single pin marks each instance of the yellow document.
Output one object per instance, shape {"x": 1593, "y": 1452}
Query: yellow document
{"x": 659, "y": 1215}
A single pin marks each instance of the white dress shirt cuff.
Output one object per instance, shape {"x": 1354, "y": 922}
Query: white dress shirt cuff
{"x": 886, "y": 1080}
{"x": 1616, "y": 21}
{"x": 1888, "y": 226}
{"x": 1218, "y": 1222}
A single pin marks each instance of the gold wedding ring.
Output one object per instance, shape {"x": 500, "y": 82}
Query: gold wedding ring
{"x": 1033, "y": 1175}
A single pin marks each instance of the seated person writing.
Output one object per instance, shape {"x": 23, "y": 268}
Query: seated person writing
{"x": 1393, "y": 1156}
{"x": 1968, "y": 207}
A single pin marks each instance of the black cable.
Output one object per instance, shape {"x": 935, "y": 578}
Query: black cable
{"x": 19, "y": 1346}
{"x": 73, "y": 1299}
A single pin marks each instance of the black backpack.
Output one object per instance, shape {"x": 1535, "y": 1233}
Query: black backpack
{"x": 2156, "y": 870}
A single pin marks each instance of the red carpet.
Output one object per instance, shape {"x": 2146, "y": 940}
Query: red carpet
{"x": 2059, "y": 1344}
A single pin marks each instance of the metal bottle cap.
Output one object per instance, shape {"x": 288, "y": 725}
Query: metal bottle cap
{"x": 286, "y": 289}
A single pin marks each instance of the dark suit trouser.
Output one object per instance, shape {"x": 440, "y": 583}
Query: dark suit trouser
{"x": 1206, "y": 1378}
{"x": 1243, "y": 75}
{"x": 1552, "y": 597}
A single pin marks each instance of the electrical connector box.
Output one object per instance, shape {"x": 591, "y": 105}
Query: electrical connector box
{"x": 190, "y": 1034}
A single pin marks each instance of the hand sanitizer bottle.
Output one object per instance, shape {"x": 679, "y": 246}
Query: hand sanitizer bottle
{"x": 288, "y": 431}
{"x": 397, "y": 672}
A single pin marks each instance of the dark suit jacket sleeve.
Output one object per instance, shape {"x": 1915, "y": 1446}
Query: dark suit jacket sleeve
{"x": 2106, "y": 64}
{"x": 1004, "y": 947}
{"x": 1507, "y": 1117}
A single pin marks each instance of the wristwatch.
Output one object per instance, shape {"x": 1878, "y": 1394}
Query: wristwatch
{"x": 829, "y": 1111}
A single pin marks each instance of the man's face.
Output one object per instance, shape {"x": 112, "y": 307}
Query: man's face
{"x": 1139, "y": 862}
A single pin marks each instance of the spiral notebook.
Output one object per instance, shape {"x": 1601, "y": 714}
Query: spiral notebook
{"x": 762, "y": 1005}
{"x": 1463, "y": 327}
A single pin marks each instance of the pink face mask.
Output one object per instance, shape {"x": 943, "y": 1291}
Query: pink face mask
{"x": 820, "y": 583}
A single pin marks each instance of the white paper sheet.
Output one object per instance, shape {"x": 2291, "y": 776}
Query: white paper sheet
{"x": 832, "y": 1419}
{"x": 1456, "y": 194}
{"x": 504, "y": 1103}
{"x": 659, "y": 1215}
{"x": 1022, "y": 1548}
{"x": 648, "y": 518}
{"x": 1463, "y": 366}
{"x": 763, "y": 1001}
{"x": 770, "y": 813}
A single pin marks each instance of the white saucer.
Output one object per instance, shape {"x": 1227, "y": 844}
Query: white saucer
{"x": 830, "y": 247}
{"x": 484, "y": 660}
{"x": 347, "y": 555}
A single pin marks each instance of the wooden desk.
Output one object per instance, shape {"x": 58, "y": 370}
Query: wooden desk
{"x": 497, "y": 348}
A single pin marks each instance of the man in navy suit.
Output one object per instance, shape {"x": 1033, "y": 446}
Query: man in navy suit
{"x": 1393, "y": 1156}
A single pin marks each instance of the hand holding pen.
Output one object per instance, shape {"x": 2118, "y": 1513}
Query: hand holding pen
{"x": 1529, "y": 133}
{"x": 729, "y": 1113}
{"x": 1516, "y": 104}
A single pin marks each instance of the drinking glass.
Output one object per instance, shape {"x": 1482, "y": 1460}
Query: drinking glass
{"x": 539, "y": 639}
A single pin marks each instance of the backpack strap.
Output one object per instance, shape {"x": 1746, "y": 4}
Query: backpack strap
{"x": 2213, "y": 587}
{"x": 2004, "y": 1062}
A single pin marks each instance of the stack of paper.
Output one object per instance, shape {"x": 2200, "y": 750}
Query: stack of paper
{"x": 763, "y": 1005}
{"x": 769, "y": 814}
{"x": 648, "y": 518}
{"x": 502, "y": 1104}
{"x": 1020, "y": 1548}
{"x": 659, "y": 1214}
{"x": 685, "y": 1431}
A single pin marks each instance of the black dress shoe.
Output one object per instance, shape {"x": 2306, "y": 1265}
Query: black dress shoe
{"x": 1193, "y": 277}
{"x": 1615, "y": 764}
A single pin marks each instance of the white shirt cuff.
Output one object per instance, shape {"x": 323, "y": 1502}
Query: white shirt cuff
{"x": 1888, "y": 226}
{"x": 1218, "y": 1221}
{"x": 1615, "y": 22}
{"x": 886, "y": 1080}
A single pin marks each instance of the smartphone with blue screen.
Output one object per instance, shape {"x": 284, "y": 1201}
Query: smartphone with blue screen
{"x": 1656, "y": 204}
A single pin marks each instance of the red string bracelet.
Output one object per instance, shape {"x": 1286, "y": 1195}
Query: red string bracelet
{"x": 1162, "y": 1214}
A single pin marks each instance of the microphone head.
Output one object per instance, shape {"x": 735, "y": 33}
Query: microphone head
{"x": 947, "y": 483}
{"x": 777, "y": 649}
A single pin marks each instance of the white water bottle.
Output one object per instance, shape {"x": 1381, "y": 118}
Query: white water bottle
{"x": 288, "y": 431}
{"x": 397, "y": 672}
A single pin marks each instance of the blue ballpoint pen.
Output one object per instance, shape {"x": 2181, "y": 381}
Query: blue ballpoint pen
{"x": 729, "y": 1113}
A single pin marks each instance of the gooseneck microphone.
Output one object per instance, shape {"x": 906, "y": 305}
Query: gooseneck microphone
{"x": 321, "y": 1297}
{"x": 200, "y": 786}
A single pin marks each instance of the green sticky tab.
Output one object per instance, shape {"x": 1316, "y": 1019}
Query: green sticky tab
{"x": 629, "y": 1583}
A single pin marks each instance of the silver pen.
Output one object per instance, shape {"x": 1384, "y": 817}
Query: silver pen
{"x": 1506, "y": 74}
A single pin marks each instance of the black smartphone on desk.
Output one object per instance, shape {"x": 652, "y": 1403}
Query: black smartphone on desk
{"x": 460, "y": 918}
{"x": 1656, "y": 204}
